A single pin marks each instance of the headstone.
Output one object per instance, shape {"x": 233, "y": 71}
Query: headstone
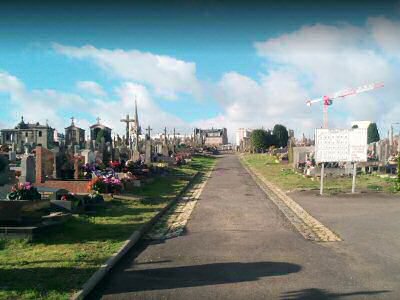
{"x": 88, "y": 156}
{"x": 5, "y": 173}
{"x": 98, "y": 156}
{"x": 136, "y": 155}
{"x": 27, "y": 169}
{"x": 300, "y": 154}
{"x": 12, "y": 156}
{"x": 116, "y": 155}
{"x": 147, "y": 158}
{"x": 165, "y": 150}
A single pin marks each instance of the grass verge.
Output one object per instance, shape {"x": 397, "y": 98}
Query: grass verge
{"x": 58, "y": 263}
{"x": 284, "y": 177}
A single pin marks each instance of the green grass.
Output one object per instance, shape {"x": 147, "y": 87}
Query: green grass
{"x": 58, "y": 263}
{"x": 283, "y": 176}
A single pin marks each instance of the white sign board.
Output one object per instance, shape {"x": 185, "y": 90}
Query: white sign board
{"x": 341, "y": 145}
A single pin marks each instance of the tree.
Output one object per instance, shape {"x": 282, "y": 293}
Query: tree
{"x": 373, "y": 133}
{"x": 355, "y": 126}
{"x": 99, "y": 136}
{"x": 281, "y": 135}
{"x": 258, "y": 139}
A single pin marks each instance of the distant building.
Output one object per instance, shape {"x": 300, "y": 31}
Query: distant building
{"x": 28, "y": 134}
{"x": 59, "y": 138}
{"x": 360, "y": 124}
{"x": 74, "y": 135}
{"x": 242, "y": 133}
{"x": 211, "y": 137}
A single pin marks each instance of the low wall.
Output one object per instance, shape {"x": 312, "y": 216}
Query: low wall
{"x": 74, "y": 186}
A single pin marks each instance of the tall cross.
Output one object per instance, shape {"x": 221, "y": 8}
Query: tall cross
{"x": 127, "y": 121}
{"x": 174, "y": 142}
{"x": 165, "y": 135}
{"x": 98, "y": 120}
{"x": 148, "y": 132}
{"x": 72, "y": 121}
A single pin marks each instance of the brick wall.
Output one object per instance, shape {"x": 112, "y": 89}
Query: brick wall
{"x": 74, "y": 186}
{"x": 44, "y": 163}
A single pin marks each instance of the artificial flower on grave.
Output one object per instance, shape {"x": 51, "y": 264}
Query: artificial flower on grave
{"x": 23, "y": 191}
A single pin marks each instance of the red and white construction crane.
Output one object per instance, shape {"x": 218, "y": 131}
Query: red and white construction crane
{"x": 328, "y": 100}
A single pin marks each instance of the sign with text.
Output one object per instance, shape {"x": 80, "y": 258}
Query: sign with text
{"x": 341, "y": 145}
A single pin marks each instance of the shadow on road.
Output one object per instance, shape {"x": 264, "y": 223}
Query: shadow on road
{"x": 307, "y": 294}
{"x": 199, "y": 275}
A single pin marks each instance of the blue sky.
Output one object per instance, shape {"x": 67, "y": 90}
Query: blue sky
{"x": 212, "y": 74}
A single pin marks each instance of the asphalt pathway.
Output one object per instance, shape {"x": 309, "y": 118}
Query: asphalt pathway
{"x": 237, "y": 246}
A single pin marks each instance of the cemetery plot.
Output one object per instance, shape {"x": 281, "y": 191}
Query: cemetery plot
{"x": 63, "y": 258}
{"x": 288, "y": 179}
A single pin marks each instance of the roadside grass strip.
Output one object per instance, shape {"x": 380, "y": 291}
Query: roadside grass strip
{"x": 309, "y": 227}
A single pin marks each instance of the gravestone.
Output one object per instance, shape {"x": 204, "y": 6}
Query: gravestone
{"x": 4, "y": 170}
{"x": 147, "y": 158}
{"x": 165, "y": 150}
{"x": 12, "y": 156}
{"x": 89, "y": 156}
{"x": 136, "y": 155}
{"x": 28, "y": 169}
{"x": 116, "y": 155}
{"x": 300, "y": 154}
{"x": 98, "y": 156}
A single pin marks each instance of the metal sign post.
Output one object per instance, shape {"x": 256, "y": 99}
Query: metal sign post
{"x": 340, "y": 145}
{"x": 321, "y": 189}
{"x": 353, "y": 187}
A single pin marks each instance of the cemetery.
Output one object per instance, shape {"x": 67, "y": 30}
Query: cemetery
{"x": 66, "y": 206}
{"x": 296, "y": 167}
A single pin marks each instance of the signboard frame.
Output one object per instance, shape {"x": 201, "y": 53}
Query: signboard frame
{"x": 341, "y": 145}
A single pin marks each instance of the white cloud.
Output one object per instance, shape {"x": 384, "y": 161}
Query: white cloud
{"x": 111, "y": 112}
{"x": 311, "y": 62}
{"x": 386, "y": 34}
{"x": 275, "y": 98}
{"x": 39, "y": 105}
{"x": 91, "y": 87}
{"x": 167, "y": 75}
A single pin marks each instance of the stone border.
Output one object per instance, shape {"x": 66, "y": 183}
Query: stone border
{"x": 92, "y": 282}
{"x": 175, "y": 220}
{"x": 309, "y": 227}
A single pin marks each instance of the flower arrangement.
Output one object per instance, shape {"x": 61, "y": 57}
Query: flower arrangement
{"x": 105, "y": 184}
{"x": 24, "y": 191}
{"x": 116, "y": 166}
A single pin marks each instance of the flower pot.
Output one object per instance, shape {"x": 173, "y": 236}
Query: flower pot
{"x": 22, "y": 211}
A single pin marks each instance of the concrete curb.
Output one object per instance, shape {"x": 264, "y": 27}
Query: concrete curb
{"x": 309, "y": 227}
{"x": 91, "y": 283}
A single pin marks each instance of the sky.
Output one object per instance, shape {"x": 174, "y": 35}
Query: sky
{"x": 201, "y": 64}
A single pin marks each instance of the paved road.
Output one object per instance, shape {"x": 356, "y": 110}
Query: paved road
{"x": 237, "y": 246}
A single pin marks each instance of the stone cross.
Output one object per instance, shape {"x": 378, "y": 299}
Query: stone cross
{"x": 174, "y": 142}
{"x": 72, "y": 121}
{"x": 165, "y": 135}
{"x": 148, "y": 132}
{"x": 98, "y": 120}
{"x": 127, "y": 121}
